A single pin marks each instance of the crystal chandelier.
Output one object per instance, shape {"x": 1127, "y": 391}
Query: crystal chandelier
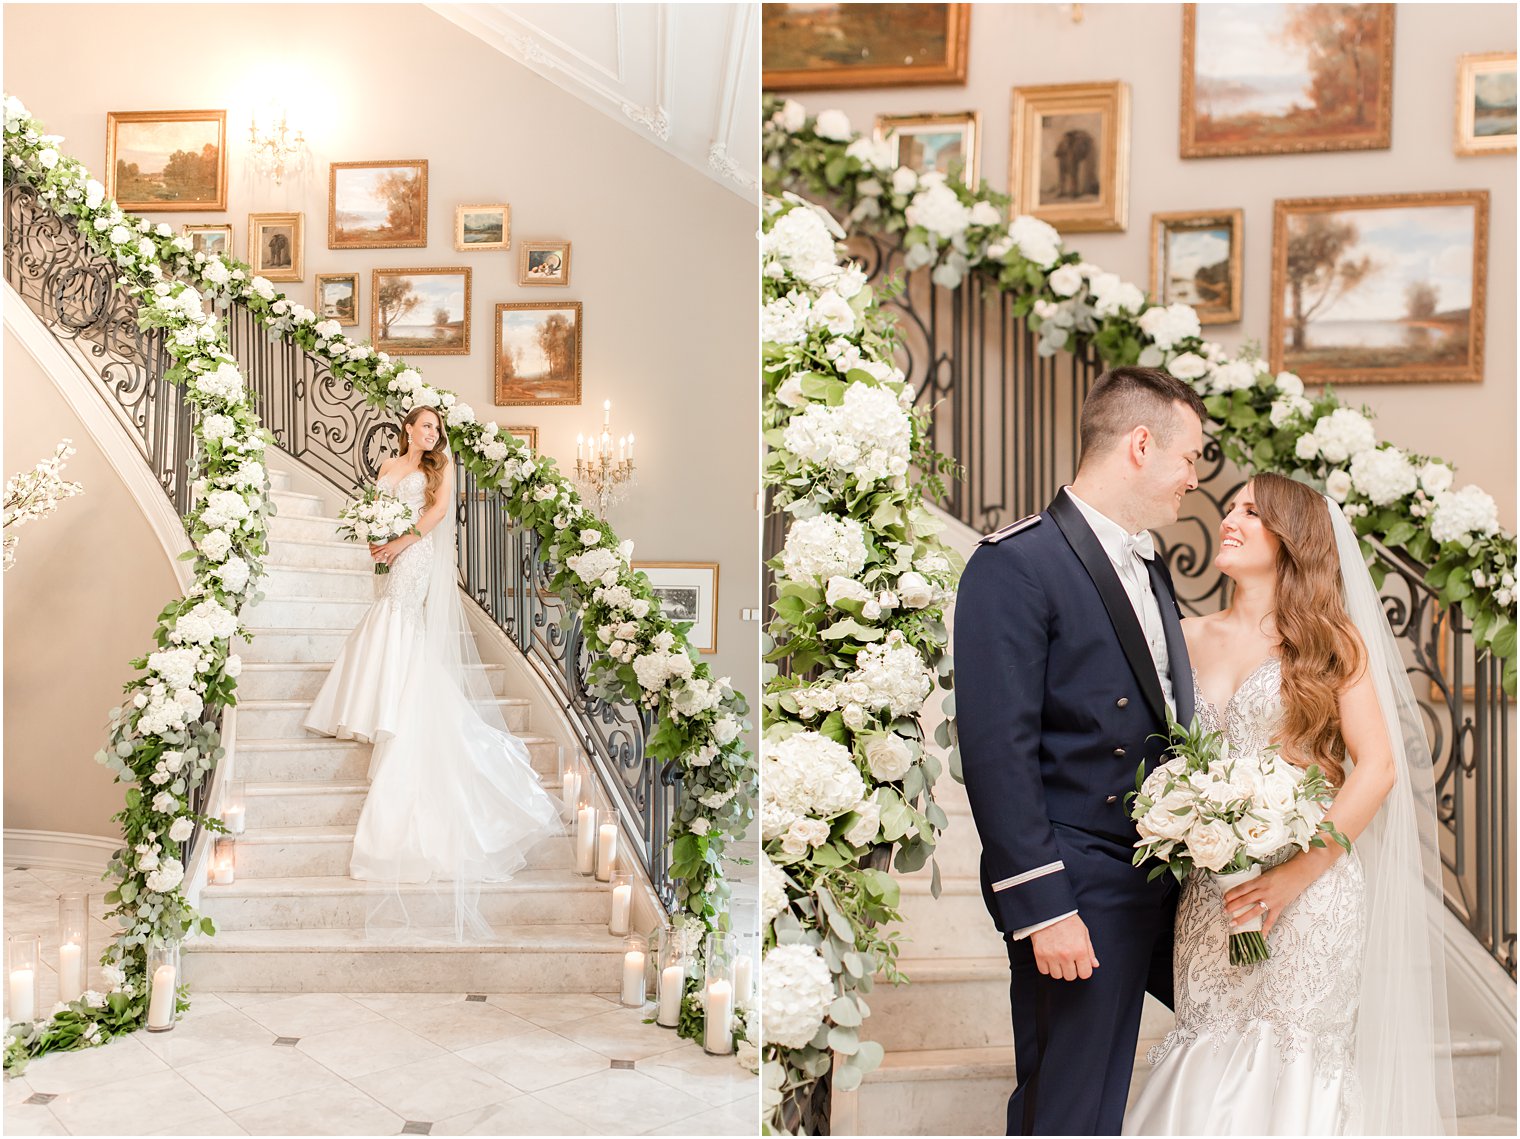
{"x": 277, "y": 150}
{"x": 598, "y": 474}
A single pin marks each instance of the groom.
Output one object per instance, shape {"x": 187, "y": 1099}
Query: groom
{"x": 1068, "y": 653}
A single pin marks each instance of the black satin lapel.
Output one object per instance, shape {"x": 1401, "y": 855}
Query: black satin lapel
{"x": 1176, "y": 644}
{"x": 1121, "y": 614}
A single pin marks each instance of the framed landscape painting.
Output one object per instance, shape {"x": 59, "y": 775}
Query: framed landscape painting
{"x": 687, "y": 591}
{"x": 482, "y": 227}
{"x": 863, "y": 45}
{"x": 1196, "y": 260}
{"x": 543, "y": 263}
{"x": 1286, "y": 78}
{"x": 947, "y": 143}
{"x": 420, "y": 312}
{"x": 212, "y": 240}
{"x": 528, "y": 435}
{"x": 158, "y": 161}
{"x": 1379, "y": 289}
{"x": 338, "y": 297}
{"x": 377, "y": 205}
{"x": 1069, "y": 155}
{"x": 276, "y": 246}
{"x": 1486, "y": 104}
{"x": 538, "y": 353}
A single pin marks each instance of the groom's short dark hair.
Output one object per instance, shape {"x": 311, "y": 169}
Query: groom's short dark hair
{"x": 1125, "y": 398}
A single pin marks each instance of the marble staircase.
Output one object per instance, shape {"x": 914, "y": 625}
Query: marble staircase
{"x": 293, "y": 921}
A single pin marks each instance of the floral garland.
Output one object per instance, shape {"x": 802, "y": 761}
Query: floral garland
{"x": 862, "y": 585}
{"x": 638, "y": 654}
{"x": 1404, "y": 501}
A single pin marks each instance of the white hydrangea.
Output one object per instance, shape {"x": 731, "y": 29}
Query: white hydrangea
{"x": 170, "y": 874}
{"x": 791, "y": 117}
{"x": 696, "y": 696}
{"x": 785, "y": 319}
{"x": 832, "y": 124}
{"x": 655, "y": 669}
{"x": 1236, "y": 376}
{"x": 1170, "y": 325}
{"x": 1384, "y": 474}
{"x": 592, "y": 565}
{"x": 1037, "y": 240}
{"x": 1287, "y": 407}
{"x": 1115, "y": 297}
{"x": 215, "y": 544}
{"x": 1341, "y": 434}
{"x": 773, "y": 900}
{"x": 215, "y": 270}
{"x": 225, "y": 383}
{"x": 937, "y": 209}
{"x": 873, "y": 152}
{"x": 209, "y": 621}
{"x": 796, "y": 991}
{"x": 178, "y": 667}
{"x": 1462, "y": 515}
{"x": 867, "y": 436}
{"x": 806, "y": 775}
{"x": 224, "y": 508}
{"x": 888, "y": 676}
{"x": 822, "y": 547}
{"x": 218, "y": 426}
{"x": 233, "y": 574}
{"x": 801, "y": 242}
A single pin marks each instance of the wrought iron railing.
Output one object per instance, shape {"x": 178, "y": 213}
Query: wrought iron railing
{"x": 1010, "y": 417}
{"x": 321, "y": 420}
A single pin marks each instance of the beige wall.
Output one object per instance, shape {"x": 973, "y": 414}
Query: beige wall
{"x": 1027, "y": 44}
{"x": 662, "y": 256}
{"x": 80, "y": 603}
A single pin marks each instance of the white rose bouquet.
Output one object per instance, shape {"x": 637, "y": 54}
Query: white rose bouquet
{"x": 376, "y": 517}
{"x": 1228, "y": 813}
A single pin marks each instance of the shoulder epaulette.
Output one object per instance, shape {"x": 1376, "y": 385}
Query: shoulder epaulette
{"x": 1010, "y": 530}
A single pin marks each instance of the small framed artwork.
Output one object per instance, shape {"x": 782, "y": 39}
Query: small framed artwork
{"x": 1486, "y": 103}
{"x": 1319, "y": 77}
{"x": 1196, "y": 260}
{"x": 482, "y": 227}
{"x": 1069, "y": 154}
{"x": 161, "y": 161}
{"x": 543, "y": 263}
{"x": 209, "y": 239}
{"x": 947, "y": 143}
{"x": 275, "y": 245}
{"x": 338, "y": 297}
{"x": 688, "y": 591}
{"x": 420, "y": 312}
{"x": 528, "y": 435}
{"x": 538, "y": 354}
{"x": 377, "y": 205}
{"x": 1380, "y": 288}
{"x": 811, "y": 46}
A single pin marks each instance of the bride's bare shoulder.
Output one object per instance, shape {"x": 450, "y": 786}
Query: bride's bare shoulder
{"x": 1197, "y": 630}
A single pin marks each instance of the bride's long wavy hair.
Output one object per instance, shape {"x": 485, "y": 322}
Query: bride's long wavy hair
{"x": 1321, "y": 652}
{"x": 433, "y": 462}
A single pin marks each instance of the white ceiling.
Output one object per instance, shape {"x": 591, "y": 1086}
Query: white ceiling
{"x": 686, "y": 77}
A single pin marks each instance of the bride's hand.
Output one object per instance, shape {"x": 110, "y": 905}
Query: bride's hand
{"x": 1276, "y": 888}
{"x": 387, "y": 553}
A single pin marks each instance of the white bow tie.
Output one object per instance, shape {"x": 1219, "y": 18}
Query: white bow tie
{"x": 1140, "y": 544}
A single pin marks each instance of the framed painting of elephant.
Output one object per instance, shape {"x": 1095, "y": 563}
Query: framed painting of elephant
{"x": 1069, "y": 155}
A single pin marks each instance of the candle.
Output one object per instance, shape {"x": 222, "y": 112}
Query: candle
{"x": 223, "y": 875}
{"x": 633, "y": 977}
{"x": 233, "y": 819}
{"x": 606, "y": 851}
{"x": 718, "y": 1006}
{"x": 606, "y": 413}
{"x": 743, "y": 970}
{"x": 23, "y": 994}
{"x": 580, "y": 441}
{"x": 585, "y": 840}
{"x": 672, "y": 985}
{"x": 70, "y": 972}
{"x": 161, "y": 1003}
{"x": 571, "y": 791}
{"x": 630, "y": 446}
{"x": 622, "y": 447}
{"x": 622, "y": 897}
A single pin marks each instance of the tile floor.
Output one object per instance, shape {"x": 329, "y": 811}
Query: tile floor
{"x": 373, "y": 1064}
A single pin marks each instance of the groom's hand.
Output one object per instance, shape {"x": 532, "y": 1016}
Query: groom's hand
{"x": 1064, "y": 951}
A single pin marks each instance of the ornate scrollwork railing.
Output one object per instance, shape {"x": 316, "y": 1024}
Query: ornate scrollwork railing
{"x": 321, "y": 420}
{"x": 1010, "y": 417}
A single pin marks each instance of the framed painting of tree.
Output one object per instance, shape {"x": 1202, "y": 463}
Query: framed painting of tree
{"x": 538, "y": 353}
{"x": 377, "y": 205}
{"x": 1286, "y": 78}
{"x": 1379, "y": 289}
{"x": 163, "y": 161}
{"x": 421, "y": 312}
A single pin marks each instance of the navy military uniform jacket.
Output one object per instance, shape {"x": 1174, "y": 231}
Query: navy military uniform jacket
{"x": 1057, "y": 703}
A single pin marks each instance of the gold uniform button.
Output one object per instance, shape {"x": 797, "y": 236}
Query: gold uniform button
{"x": 1112, "y": 799}
{"x": 1119, "y": 751}
{"x": 1123, "y": 702}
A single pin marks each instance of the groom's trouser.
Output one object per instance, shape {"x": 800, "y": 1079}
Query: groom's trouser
{"x": 1074, "y": 1041}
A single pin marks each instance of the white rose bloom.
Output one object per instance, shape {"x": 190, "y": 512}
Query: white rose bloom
{"x": 1213, "y": 845}
{"x": 1161, "y": 822}
{"x": 1236, "y": 376}
{"x": 1188, "y": 366}
{"x": 1037, "y": 240}
{"x": 1263, "y": 836}
{"x": 725, "y": 730}
{"x": 790, "y": 392}
{"x": 1289, "y": 384}
{"x": 833, "y": 312}
{"x": 1435, "y": 478}
{"x": 1338, "y": 485}
{"x": 803, "y": 835}
{"x": 1384, "y": 475}
{"x": 168, "y": 876}
{"x": 845, "y": 589}
{"x": 791, "y": 117}
{"x": 94, "y": 193}
{"x": 796, "y": 989}
{"x": 904, "y": 180}
{"x": 1066, "y": 281}
{"x": 864, "y": 830}
{"x": 1306, "y": 446}
{"x": 913, "y": 591}
{"x": 181, "y": 829}
{"x": 889, "y": 757}
{"x": 985, "y": 213}
{"x": 832, "y": 124}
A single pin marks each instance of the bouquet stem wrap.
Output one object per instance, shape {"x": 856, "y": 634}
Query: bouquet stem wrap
{"x": 1247, "y": 945}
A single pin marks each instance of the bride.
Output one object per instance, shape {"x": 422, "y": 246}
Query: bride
{"x": 1343, "y": 1029}
{"x": 453, "y": 795}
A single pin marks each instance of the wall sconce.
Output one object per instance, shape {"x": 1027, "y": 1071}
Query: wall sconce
{"x": 600, "y": 475}
{"x": 277, "y": 151}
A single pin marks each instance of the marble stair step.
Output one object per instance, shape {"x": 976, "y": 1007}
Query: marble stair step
{"x": 316, "y": 758}
{"x": 292, "y": 803}
{"x": 956, "y": 924}
{"x": 522, "y": 959}
{"x": 337, "y": 614}
{"x": 303, "y": 528}
{"x": 271, "y": 719}
{"x": 267, "y": 645}
{"x": 355, "y": 580}
{"x": 327, "y": 552}
{"x": 1486, "y": 1125}
{"x": 533, "y": 897}
{"x": 323, "y": 851}
{"x": 290, "y": 503}
{"x": 279, "y": 480}
{"x": 948, "y": 1002}
{"x": 302, "y": 680}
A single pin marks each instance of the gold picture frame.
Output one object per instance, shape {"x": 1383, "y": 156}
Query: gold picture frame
{"x": 521, "y": 330}
{"x": 1183, "y": 268}
{"x": 1360, "y": 336}
{"x": 543, "y": 263}
{"x": 838, "y": 45}
{"x": 1474, "y": 74}
{"x": 1057, "y": 170}
{"x": 926, "y": 151}
{"x": 355, "y": 191}
{"x": 211, "y": 239}
{"x": 1258, "y": 123}
{"x": 479, "y": 228}
{"x": 396, "y": 294}
{"x": 528, "y": 435}
{"x": 156, "y": 161}
{"x": 687, "y": 591}
{"x": 277, "y": 246}
{"x": 329, "y": 301}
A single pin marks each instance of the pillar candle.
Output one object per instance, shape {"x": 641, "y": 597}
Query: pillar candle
{"x": 672, "y": 985}
{"x": 585, "y": 840}
{"x": 622, "y": 897}
{"x": 571, "y": 791}
{"x": 719, "y": 1010}
{"x": 742, "y": 973}
{"x": 606, "y": 851}
{"x": 70, "y": 972}
{"x": 633, "y": 977}
{"x": 233, "y": 819}
{"x": 23, "y": 995}
{"x": 161, "y": 1003}
{"x": 223, "y": 875}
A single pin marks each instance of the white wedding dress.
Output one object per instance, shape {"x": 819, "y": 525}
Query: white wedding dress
{"x": 453, "y": 795}
{"x": 1270, "y": 1048}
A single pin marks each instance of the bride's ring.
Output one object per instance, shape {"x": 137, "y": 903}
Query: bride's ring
{"x": 1263, "y": 905}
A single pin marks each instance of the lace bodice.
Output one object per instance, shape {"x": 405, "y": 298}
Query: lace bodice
{"x": 410, "y": 489}
{"x": 1249, "y": 718}
{"x": 406, "y": 585}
